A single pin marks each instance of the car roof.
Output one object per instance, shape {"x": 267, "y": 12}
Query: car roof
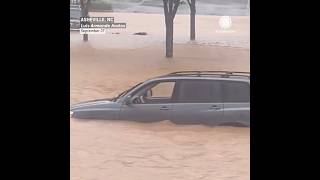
{"x": 206, "y": 75}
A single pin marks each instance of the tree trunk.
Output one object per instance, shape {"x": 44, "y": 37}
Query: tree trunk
{"x": 192, "y": 26}
{"x": 170, "y": 9}
{"x": 193, "y": 20}
{"x": 169, "y": 39}
{"x": 85, "y": 13}
{"x": 85, "y": 37}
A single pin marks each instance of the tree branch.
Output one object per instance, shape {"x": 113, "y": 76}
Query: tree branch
{"x": 193, "y": 6}
{"x": 81, "y": 4}
{"x": 176, "y": 5}
{"x": 170, "y": 6}
{"x": 188, "y": 1}
{"x": 166, "y": 13}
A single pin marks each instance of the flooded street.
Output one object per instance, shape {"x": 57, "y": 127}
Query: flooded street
{"x": 121, "y": 150}
{"x": 127, "y": 150}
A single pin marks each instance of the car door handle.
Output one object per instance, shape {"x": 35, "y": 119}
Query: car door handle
{"x": 164, "y": 108}
{"x": 215, "y": 107}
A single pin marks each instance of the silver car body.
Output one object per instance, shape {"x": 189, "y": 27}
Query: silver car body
{"x": 211, "y": 113}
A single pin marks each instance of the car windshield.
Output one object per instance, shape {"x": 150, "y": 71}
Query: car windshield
{"x": 125, "y": 92}
{"x": 75, "y": 13}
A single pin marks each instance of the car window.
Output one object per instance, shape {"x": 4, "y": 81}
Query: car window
{"x": 162, "y": 90}
{"x": 199, "y": 91}
{"x": 155, "y": 93}
{"x": 236, "y": 91}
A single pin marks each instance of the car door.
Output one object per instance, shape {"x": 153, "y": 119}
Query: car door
{"x": 151, "y": 103}
{"x": 198, "y": 101}
{"x": 236, "y": 102}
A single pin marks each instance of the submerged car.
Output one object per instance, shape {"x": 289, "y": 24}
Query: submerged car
{"x": 188, "y": 97}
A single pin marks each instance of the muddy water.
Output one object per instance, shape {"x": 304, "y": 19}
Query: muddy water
{"x": 129, "y": 150}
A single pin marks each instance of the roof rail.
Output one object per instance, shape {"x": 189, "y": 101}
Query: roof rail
{"x": 207, "y": 73}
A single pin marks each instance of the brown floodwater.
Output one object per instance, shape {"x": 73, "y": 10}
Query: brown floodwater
{"x": 162, "y": 150}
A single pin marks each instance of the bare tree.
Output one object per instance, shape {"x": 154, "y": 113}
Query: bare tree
{"x": 85, "y": 5}
{"x": 192, "y": 5}
{"x": 170, "y": 10}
